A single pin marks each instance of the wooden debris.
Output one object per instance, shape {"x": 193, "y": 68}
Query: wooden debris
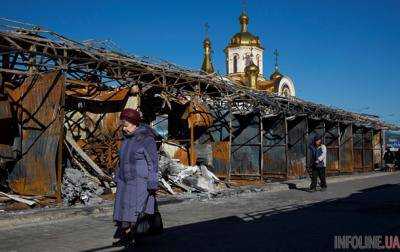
{"x": 19, "y": 199}
{"x": 184, "y": 187}
{"x": 99, "y": 172}
{"x": 167, "y": 186}
{"x": 81, "y": 166}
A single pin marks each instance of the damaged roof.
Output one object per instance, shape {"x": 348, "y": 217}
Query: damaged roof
{"x": 112, "y": 69}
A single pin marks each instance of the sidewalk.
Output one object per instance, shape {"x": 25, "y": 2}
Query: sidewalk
{"x": 49, "y": 215}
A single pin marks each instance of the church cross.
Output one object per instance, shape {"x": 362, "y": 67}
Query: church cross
{"x": 276, "y": 54}
{"x": 206, "y": 28}
{"x": 244, "y": 6}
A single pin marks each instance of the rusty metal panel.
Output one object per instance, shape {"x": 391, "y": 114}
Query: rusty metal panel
{"x": 368, "y": 151}
{"x": 212, "y": 142}
{"x": 358, "y": 148}
{"x": 332, "y": 161}
{"x": 274, "y": 147}
{"x": 220, "y": 158}
{"x": 246, "y": 129}
{"x": 198, "y": 114}
{"x": 377, "y": 146}
{"x": 5, "y": 109}
{"x": 38, "y": 102}
{"x": 274, "y": 161}
{"x": 346, "y": 148}
{"x": 332, "y": 146}
{"x": 315, "y": 127}
{"x": 368, "y": 160}
{"x": 245, "y": 160}
{"x": 358, "y": 160}
{"x": 219, "y": 130}
{"x": 274, "y": 129}
{"x": 204, "y": 153}
{"x": 246, "y": 148}
{"x": 297, "y": 148}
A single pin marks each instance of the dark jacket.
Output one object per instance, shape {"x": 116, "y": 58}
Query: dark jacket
{"x": 389, "y": 157}
{"x": 137, "y": 172}
{"x": 315, "y": 154}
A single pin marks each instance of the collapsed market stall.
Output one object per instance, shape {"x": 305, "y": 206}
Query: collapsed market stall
{"x": 60, "y": 101}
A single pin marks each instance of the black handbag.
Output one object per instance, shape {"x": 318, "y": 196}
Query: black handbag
{"x": 156, "y": 226}
{"x": 149, "y": 224}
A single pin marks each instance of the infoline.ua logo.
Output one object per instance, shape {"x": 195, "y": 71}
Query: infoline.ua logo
{"x": 367, "y": 242}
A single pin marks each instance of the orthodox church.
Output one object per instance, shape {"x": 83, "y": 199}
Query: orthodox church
{"x": 244, "y": 63}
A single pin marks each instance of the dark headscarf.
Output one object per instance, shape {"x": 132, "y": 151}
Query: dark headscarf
{"x": 317, "y": 137}
{"x": 130, "y": 115}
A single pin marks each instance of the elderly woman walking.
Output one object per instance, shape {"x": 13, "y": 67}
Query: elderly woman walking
{"x": 136, "y": 177}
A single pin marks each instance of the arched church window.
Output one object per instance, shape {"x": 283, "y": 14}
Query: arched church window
{"x": 286, "y": 90}
{"x": 235, "y": 63}
{"x": 247, "y": 59}
{"x": 258, "y": 60}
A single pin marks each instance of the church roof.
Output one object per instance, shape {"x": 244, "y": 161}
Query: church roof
{"x": 276, "y": 75}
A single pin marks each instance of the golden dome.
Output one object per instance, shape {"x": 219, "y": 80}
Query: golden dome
{"x": 244, "y": 38}
{"x": 207, "y": 65}
{"x": 275, "y": 75}
{"x": 206, "y": 42}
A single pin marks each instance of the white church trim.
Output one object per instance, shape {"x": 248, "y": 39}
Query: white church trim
{"x": 286, "y": 81}
{"x": 243, "y": 54}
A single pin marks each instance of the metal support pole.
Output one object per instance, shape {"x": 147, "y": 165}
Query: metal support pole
{"x": 230, "y": 145}
{"x": 339, "y": 136}
{"x": 382, "y": 137}
{"x": 286, "y": 145}
{"x": 61, "y": 142}
{"x": 306, "y": 143}
{"x": 261, "y": 148}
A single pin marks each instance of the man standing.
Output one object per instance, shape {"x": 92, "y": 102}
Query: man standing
{"x": 318, "y": 163}
{"x": 389, "y": 159}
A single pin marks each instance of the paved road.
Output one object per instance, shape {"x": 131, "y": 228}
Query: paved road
{"x": 293, "y": 220}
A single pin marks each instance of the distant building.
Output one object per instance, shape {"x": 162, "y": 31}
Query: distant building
{"x": 245, "y": 65}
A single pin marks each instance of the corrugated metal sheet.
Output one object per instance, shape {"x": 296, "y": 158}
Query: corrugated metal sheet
{"x": 219, "y": 130}
{"x": 5, "y": 109}
{"x": 246, "y": 148}
{"x": 274, "y": 147}
{"x": 332, "y": 145}
{"x": 346, "y": 148}
{"x": 368, "y": 150}
{"x": 220, "y": 161}
{"x": 245, "y": 160}
{"x": 358, "y": 148}
{"x": 38, "y": 106}
{"x": 216, "y": 137}
{"x": 245, "y": 129}
{"x": 274, "y": 161}
{"x": 297, "y": 148}
{"x": 377, "y": 145}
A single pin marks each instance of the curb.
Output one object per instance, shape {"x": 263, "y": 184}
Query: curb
{"x": 51, "y": 215}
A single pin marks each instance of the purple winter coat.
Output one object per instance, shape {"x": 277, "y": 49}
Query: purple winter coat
{"x": 136, "y": 173}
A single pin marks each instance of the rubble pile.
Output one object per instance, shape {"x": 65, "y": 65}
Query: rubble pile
{"x": 195, "y": 178}
{"x": 79, "y": 188}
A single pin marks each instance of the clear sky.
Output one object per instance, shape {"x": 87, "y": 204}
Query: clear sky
{"x": 343, "y": 53}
